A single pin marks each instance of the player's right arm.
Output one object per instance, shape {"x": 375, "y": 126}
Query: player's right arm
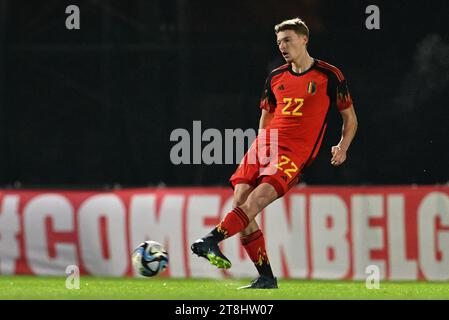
{"x": 267, "y": 105}
{"x": 265, "y": 119}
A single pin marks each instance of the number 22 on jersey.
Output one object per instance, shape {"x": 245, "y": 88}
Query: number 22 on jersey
{"x": 292, "y": 106}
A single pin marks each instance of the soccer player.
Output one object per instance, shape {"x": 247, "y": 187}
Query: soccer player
{"x": 296, "y": 100}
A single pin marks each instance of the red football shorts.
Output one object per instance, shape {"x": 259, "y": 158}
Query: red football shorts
{"x": 281, "y": 170}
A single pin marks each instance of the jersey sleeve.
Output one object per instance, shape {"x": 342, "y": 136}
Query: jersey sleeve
{"x": 343, "y": 99}
{"x": 268, "y": 100}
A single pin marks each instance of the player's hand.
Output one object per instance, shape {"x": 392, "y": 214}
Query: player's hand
{"x": 338, "y": 155}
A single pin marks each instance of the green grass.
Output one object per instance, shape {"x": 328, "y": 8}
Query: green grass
{"x": 28, "y": 287}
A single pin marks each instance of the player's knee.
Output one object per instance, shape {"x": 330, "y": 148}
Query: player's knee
{"x": 256, "y": 203}
{"x": 261, "y": 201}
{"x": 239, "y": 199}
{"x": 241, "y": 193}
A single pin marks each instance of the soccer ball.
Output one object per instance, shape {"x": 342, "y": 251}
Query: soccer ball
{"x": 149, "y": 258}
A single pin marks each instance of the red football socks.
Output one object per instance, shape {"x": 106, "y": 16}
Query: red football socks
{"x": 234, "y": 222}
{"x": 254, "y": 245}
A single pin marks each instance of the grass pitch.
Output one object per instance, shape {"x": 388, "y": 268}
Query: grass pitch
{"x": 29, "y": 287}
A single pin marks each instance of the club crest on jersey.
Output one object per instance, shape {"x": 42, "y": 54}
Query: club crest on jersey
{"x": 311, "y": 87}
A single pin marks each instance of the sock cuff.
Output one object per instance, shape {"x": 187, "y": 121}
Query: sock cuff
{"x": 242, "y": 215}
{"x": 251, "y": 237}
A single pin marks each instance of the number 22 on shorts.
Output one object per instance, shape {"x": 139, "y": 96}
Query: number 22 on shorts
{"x": 287, "y": 165}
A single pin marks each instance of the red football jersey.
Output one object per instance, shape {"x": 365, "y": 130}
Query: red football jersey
{"x": 300, "y": 103}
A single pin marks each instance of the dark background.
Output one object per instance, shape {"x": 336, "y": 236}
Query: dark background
{"x": 96, "y": 106}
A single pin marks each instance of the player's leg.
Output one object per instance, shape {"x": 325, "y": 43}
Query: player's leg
{"x": 258, "y": 199}
{"x": 241, "y": 193}
{"x": 207, "y": 246}
{"x": 254, "y": 243}
{"x": 234, "y": 222}
{"x": 270, "y": 188}
{"x": 252, "y": 239}
{"x": 239, "y": 218}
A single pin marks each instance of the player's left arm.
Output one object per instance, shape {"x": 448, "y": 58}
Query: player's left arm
{"x": 347, "y": 135}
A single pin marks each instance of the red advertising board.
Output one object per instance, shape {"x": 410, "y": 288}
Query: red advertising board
{"x": 311, "y": 233}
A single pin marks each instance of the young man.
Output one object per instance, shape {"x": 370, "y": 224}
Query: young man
{"x": 295, "y": 103}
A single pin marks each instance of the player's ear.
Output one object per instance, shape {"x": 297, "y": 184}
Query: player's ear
{"x": 306, "y": 40}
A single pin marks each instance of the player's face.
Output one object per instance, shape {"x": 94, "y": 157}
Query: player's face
{"x": 291, "y": 45}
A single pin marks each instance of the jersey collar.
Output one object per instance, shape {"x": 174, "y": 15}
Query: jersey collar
{"x": 301, "y": 73}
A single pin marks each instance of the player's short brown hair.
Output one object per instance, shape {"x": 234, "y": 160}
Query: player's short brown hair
{"x": 295, "y": 24}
